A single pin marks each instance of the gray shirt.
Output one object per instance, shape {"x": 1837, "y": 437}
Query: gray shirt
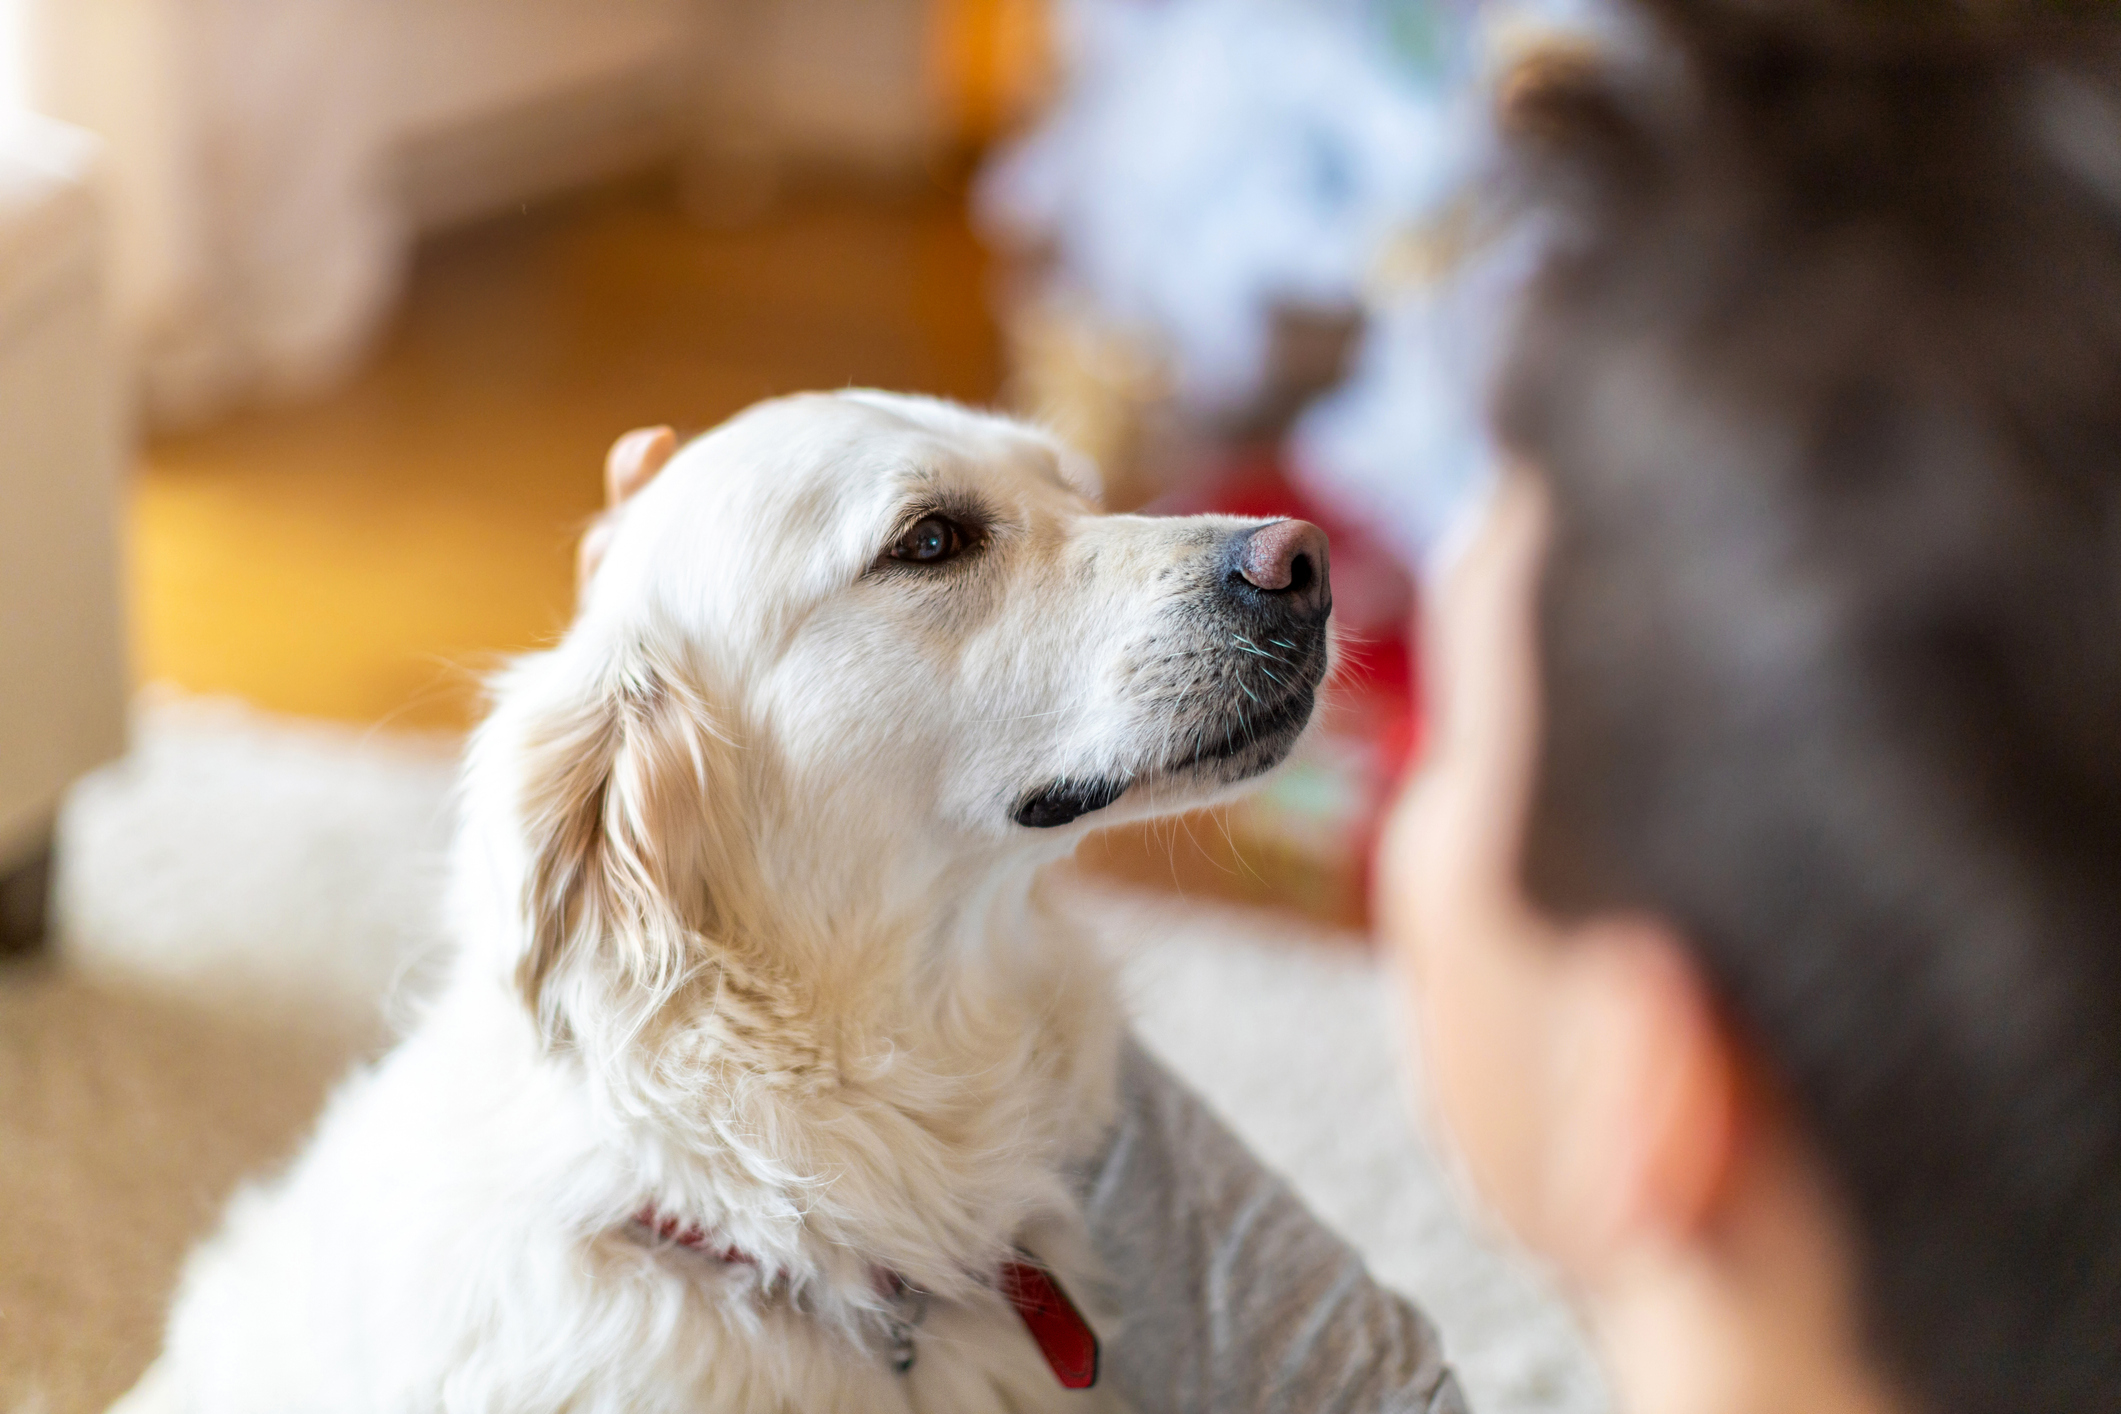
{"x": 1235, "y": 1298}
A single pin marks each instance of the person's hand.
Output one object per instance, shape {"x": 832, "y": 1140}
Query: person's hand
{"x": 631, "y": 464}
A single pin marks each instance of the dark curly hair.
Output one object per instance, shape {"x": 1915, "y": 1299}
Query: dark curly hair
{"x": 1823, "y": 368}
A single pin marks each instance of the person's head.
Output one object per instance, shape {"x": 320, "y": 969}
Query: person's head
{"x": 1762, "y": 890}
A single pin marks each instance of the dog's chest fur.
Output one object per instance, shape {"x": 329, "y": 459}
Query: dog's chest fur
{"x": 459, "y": 1235}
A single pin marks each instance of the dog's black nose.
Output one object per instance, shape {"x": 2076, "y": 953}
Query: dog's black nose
{"x": 1283, "y": 565}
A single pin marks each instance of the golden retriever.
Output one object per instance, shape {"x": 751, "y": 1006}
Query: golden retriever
{"x": 762, "y": 1065}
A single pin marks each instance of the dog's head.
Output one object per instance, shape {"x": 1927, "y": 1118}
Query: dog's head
{"x": 848, "y": 653}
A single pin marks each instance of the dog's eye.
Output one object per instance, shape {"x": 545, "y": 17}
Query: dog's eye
{"x": 932, "y": 539}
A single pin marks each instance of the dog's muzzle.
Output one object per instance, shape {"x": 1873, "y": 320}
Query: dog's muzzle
{"x": 1270, "y": 602}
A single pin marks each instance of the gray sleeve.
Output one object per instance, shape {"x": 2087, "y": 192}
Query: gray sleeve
{"x": 1234, "y": 1298}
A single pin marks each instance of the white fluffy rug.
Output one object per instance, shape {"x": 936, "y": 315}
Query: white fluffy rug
{"x": 267, "y": 869}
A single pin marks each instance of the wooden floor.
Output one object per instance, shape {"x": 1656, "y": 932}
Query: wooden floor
{"x": 367, "y": 556}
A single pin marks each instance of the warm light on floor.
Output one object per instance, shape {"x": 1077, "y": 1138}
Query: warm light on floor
{"x": 366, "y": 557}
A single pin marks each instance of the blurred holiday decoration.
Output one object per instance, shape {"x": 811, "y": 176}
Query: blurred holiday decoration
{"x": 1255, "y": 270}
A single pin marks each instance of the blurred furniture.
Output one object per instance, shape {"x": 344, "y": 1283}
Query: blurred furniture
{"x": 260, "y": 195}
{"x": 63, "y": 441}
{"x": 272, "y": 162}
{"x": 486, "y": 104}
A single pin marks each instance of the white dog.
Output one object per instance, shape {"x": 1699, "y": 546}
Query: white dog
{"x": 761, "y": 1067}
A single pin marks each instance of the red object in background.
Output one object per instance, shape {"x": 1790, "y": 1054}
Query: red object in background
{"x": 1373, "y": 595}
{"x": 1373, "y": 718}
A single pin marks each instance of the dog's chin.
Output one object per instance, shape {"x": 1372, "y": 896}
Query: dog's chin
{"x": 1234, "y": 751}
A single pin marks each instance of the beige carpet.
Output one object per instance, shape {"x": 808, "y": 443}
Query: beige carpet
{"x": 243, "y": 897}
{"x": 236, "y": 900}
{"x": 125, "y": 1119}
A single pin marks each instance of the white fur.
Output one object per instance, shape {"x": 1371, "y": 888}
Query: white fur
{"x": 747, "y": 930}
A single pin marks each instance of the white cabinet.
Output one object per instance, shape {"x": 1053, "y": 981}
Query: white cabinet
{"x": 63, "y": 446}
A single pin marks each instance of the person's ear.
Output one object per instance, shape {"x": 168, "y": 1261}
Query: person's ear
{"x": 631, "y": 464}
{"x": 1644, "y": 1099}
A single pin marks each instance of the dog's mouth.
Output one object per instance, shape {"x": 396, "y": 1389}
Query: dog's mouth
{"x": 1248, "y": 744}
{"x": 1058, "y": 802}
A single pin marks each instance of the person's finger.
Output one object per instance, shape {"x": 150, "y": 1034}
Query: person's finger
{"x": 632, "y": 463}
{"x": 635, "y": 459}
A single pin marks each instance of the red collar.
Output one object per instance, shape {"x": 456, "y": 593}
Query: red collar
{"x": 1063, "y": 1336}
{"x": 691, "y": 1235}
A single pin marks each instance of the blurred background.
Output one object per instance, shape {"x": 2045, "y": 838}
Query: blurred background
{"x": 316, "y": 320}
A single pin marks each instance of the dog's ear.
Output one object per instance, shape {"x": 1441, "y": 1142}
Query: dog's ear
{"x": 634, "y": 893}
{"x": 616, "y": 812}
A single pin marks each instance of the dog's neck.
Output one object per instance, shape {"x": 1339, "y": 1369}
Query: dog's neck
{"x": 840, "y": 1088}
{"x": 842, "y": 1040}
